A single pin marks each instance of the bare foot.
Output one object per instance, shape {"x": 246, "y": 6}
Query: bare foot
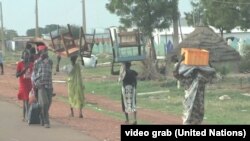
{"x": 126, "y": 122}
{"x": 135, "y": 122}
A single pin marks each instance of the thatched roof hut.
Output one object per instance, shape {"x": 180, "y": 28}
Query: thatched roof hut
{"x": 205, "y": 38}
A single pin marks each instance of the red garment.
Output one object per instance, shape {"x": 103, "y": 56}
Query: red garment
{"x": 25, "y": 84}
{"x": 41, "y": 47}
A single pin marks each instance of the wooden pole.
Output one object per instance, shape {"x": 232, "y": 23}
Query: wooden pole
{"x": 37, "y": 26}
{"x": 84, "y": 16}
{"x": 2, "y": 31}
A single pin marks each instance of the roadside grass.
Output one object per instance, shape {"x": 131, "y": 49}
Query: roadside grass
{"x": 169, "y": 99}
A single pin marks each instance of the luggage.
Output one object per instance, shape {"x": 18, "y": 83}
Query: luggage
{"x": 34, "y": 113}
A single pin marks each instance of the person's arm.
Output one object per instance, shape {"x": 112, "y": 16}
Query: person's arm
{"x": 176, "y": 71}
{"x": 58, "y": 63}
{"x": 21, "y": 72}
{"x": 135, "y": 74}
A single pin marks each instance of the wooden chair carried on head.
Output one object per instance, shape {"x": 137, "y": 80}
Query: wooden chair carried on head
{"x": 127, "y": 46}
{"x": 64, "y": 44}
{"x": 87, "y": 42}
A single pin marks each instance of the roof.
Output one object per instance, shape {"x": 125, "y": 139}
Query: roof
{"x": 205, "y": 38}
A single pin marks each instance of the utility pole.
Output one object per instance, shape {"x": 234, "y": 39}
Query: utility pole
{"x": 37, "y": 26}
{"x": 2, "y": 31}
{"x": 84, "y": 16}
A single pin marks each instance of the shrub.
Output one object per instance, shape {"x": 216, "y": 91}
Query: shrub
{"x": 245, "y": 61}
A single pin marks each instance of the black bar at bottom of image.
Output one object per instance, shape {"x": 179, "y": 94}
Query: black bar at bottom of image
{"x": 179, "y": 132}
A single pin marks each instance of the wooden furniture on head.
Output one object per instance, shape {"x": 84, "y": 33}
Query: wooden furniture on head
{"x": 64, "y": 44}
{"x": 128, "y": 39}
{"x": 127, "y": 46}
{"x": 87, "y": 42}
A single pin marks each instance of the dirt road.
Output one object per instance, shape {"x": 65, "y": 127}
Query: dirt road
{"x": 13, "y": 129}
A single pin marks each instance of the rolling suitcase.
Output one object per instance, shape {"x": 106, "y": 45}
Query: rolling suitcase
{"x": 34, "y": 113}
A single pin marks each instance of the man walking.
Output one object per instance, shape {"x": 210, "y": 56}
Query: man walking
{"x": 43, "y": 82}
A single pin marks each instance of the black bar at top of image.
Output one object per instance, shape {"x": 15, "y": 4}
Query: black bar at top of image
{"x": 181, "y": 132}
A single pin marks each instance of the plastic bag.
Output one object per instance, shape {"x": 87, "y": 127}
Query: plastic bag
{"x": 32, "y": 97}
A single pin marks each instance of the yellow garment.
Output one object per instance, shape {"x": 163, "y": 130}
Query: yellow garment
{"x": 75, "y": 87}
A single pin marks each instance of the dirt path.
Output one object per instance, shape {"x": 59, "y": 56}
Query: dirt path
{"x": 95, "y": 124}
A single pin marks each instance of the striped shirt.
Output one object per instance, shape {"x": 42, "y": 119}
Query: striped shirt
{"x": 43, "y": 73}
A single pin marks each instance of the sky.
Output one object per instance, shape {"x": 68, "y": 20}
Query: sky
{"x": 19, "y": 15}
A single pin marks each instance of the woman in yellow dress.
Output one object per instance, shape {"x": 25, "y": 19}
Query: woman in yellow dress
{"x": 75, "y": 87}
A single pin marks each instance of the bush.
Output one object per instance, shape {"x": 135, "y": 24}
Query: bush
{"x": 245, "y": 61}
{"x": 244, "y": 65}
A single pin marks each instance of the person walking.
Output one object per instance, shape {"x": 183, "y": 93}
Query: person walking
{"x": 23, "y": 72}
{"x": 43, "y": 83}
{"x": 1, "y": 63}
{"x": 128, "y": 89}
{"x": 194, "y": 80}
{"x": 75, "y": 87}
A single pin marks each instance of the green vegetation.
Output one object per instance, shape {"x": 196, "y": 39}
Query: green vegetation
{"x": 234, "y": 14}
{"x": 231, "y": 111}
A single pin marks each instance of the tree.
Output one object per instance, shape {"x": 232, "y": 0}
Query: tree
{"x": 223, "y": 15}
{"x": 175, "y": 18}
{"x": 51, "y": 27}
{"x": 146, "y": 15}
{"x": 32, "y": 32}
{"x": 10, "y": 34}
{"x": 244, "y": 17}
{"x": 195, "y": 17}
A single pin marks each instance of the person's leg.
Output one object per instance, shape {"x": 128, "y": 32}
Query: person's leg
{"x": 46, "y": 116}
{"x": 41, "y": 103}
{"x": 127, "y": 118}
{"x": 49, "y": 93}
{"x": 26, "y": 109}
{"x": 44, "y": 103}
{"x": 2, "y": 70}
{"x": 134, "y": 105}
{"x": 71, "y": 112}
{"x": 41, "y": 116}
{"x": 135, "y": 118}
{"x": 123, "y": 108}
{"x": 200, "y": 105}
{"x": 80, "y": 113}
{"x": 23, "y": 110}
{"x": 58, "y": 62}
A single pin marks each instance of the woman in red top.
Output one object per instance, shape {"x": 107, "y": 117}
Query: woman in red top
{"x": 23, "y": 72}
